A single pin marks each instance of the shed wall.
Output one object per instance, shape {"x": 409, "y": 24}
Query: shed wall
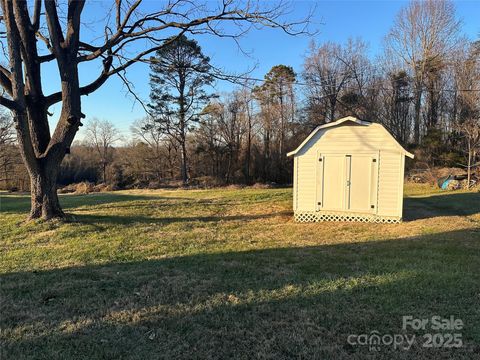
{"x": 390, "y": 184}
{"x": 306, "y": 182}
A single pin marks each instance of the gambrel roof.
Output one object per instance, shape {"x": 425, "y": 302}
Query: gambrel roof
{"x": 356, "y": 121}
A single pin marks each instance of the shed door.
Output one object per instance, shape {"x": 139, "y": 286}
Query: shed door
{"x": 332, "y": 183}
{"x": 361, "y": 179}
{"x": 347, "y": 182}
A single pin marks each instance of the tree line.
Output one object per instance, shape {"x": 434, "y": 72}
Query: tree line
{"x": 424, "y": 88}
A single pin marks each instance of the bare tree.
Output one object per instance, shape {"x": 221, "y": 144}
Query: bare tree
{"x": 466, "y": 79}
{"x": 470, "y": 131}
{"x": 326, "y": 76}
{"x": 7, "y": 139}
{"x": 249, "y": 116}
{"x": 147, "y": 131}
{"x": 131, "y": 34}
{"x": 7, "y": 130}
{"x": 277, "y": 99}
{"x": 208, "y": 143}
{"x": 102, "y": 135}
{"x": 362, "y": 85}
{"x": 394, "y": 108}
{"x": 423, "y": 33}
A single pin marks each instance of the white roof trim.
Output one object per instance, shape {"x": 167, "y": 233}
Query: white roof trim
{"x": 338, "y": 122}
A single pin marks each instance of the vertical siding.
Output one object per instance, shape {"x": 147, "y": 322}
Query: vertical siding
{"x": 306, "y": 182}
{"x": 295, "y": 183}
{"x": 400, "y": 188}
{"x": 389, "y": 183}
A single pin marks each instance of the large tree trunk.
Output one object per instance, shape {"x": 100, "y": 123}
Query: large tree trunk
{"x": 44, "y": 196}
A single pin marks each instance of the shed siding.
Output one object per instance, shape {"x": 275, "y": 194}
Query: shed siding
{"x": 389, "y": 183}
{"x": 306, "y": 182}
{"x": 295, "y": 183}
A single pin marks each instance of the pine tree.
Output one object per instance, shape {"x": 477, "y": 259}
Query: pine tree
{"x": 179, "y": 75}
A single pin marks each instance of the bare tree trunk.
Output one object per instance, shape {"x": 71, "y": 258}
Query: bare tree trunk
{"x": 333, "y": 103}
{"x": 416, "y": 124}
{"x": 469, "y": 168}
{"x": 43, "y": 185}
{"x": 184, "y": 166}
{"x": 249, "y": 152}
{"x": 266, "y": 156}
{"x": 104, "y": 169}
{"x": 229, "y": 166}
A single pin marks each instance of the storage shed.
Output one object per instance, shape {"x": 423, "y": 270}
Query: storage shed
{"x": 349, "y": 170}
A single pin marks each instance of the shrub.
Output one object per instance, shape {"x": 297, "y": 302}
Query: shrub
{"x": 84, "y": 187}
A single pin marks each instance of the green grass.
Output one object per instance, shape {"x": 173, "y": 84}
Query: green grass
{"x": 228, "y": 274}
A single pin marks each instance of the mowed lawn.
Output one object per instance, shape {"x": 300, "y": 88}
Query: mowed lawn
{"x": 223, "y": 274}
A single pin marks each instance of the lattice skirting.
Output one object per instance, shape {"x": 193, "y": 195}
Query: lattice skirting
{"x": 306, "y": 216}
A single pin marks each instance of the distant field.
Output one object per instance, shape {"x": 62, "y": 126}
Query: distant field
{"x": 225, "y": 274}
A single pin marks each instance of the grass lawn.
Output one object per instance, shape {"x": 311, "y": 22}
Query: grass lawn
{"x": 228, "y": 274}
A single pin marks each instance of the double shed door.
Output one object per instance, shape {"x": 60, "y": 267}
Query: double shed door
{"x": 347, "y": 182}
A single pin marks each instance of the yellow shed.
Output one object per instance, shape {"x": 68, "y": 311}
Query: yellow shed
{"x": 349, "y": 170}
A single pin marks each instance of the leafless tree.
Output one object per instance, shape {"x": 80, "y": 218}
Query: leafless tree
{"x": 249, "y": 123}
{"x": 7, "y": 153}
{"x": 423, "y": 33}
{"x": 147, "y": 131}
{"x": 326, "y": 76}
{"x": 102, "y": 135}
{"x": 470, "y": 131}
{"x": 7, "y": 130}
{"x": 362, "y": 85}
{"x": 466, "y": 80}
{"x": 51, "y": 31}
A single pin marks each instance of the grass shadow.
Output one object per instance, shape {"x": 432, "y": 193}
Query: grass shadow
{"x": 11, "y": 203}
{"x": 135, "y": 219}
{"x": 443, "y": 204}
{"x": 275, "y": 303}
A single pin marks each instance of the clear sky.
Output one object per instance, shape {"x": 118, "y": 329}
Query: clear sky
{"x": 334, "y": 20}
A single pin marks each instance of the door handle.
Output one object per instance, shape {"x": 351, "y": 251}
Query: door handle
{"x": 348, "y": 182}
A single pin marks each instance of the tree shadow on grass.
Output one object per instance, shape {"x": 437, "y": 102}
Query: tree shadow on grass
{"x": 135, "y": 219}
{"x": 275, "y": 303}
{"x": 10, "y": 203}
{"x": 444, "y": 204}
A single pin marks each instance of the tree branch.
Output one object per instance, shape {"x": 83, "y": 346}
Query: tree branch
{"x": 5, "y": 80}
{"x": 9, "y": 104}
{"x": 87, "y": 89}
{"x": 36, "y": 15}
{"x": 161, "y": 20}
{"x": 54, "y": 28}
{"x": 75, "y": 8}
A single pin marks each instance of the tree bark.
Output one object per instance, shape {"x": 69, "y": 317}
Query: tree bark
{"x": 43, "y": 185}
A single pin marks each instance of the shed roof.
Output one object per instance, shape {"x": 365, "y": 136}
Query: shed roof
{"x": 340, "y": 122}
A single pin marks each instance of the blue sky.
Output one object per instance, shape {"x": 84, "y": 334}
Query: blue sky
{"x": 334, "y": 20}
